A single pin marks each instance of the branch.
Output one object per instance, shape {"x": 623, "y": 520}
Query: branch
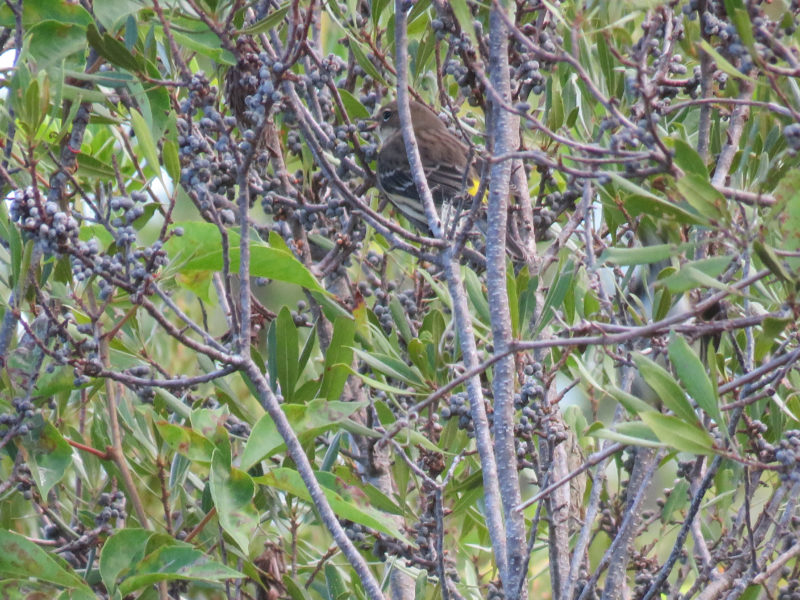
{"x": 461, "y": 313}
{"x": 504, "y": 136}
{"x": 296, "y": 452}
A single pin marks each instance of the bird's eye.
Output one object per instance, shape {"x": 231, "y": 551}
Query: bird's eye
{"x": 387, "y": 114}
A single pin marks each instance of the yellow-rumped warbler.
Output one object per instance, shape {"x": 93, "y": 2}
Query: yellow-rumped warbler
{"x": 445, "y": 161}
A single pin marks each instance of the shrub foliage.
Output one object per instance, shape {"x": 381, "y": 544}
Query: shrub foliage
{"x": 230, "y": 369}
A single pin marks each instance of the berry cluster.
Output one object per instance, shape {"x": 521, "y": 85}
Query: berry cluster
{"x": 113, "y": 507}
{"x": 529, "y": 402}
{"x": 464, "y": 77}
{"x": 357, "y": 533}
{"x": 646, "y": 570}
{"x": 458, "y": 406}
{"x": 445, "y": 26}
{"x": 385, "y": 317}
{"x": 209, "y": 154}
{"x": 529, "y": 78}
{"x": 787, "y": 453}
{"x": 236, "y": 427}
{"x": 424, "y": 534}
{"x": 56, "y": 231}
{"x": 494, "y": 590}
{"x": 550, "y": 205}
{"x": 791, "y": 591}
{"x": 792, "y": 134}
{"x": 16, "y": 423}
{"x": 53, "y": 229}
{"x": 408, "y": 300}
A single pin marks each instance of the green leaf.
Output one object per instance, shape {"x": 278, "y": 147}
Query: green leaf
{"x": 555, "y": 115}
{"x": 48, "y": 455}
{"x": 787, "y": 212}
{"x": 159, "y": 100}
{"x": 146, "y": 143}
{"x": 232, "y": 491}
{"x": 378, "y": 9}
{"x": 186, "y": 441}
{"x": 724, "y": 65}
{"x": 15, "y": 248}
{"x": 634, "y": 405}
{"x": 417, "y": 353}
{"x": 464, "y": 17}
{"x": 392, "y": 367}
{"x": 169, "y": 155}
{"x": 678, "y": 434}
{"x": 667, "y": 389}
{"x": 199, "y": 284}
{"x": 698, "y": 273}
{"x": 125, "y": 548}
{"x": 752, "y": 592}
{"x": 38, "y": 11}
{"x": 308, "y": 347}
{"x": 118, "y": 54}
{"x": 36, "y": 105}
{"x": 29, "y": 589}
{"x": 693, "y": 376}
{"x": 296, "y": 590}
{"x": 53, "y": 41}
{"x": 290, "y": 481}
{"x": 556, "y": 294}
{"x": 332, "y": 453}
{"x": 772, "y": 262}
{"x": 703, "y": 197}
{"x": 207, "y": 44}
{"x": 111, "y": 13}
{"x": 421, "y": 584}
{"x": 286, "y": 353}
{"x": 678, "y": 499}
{"x": 634, "y": 433}
{"x": 131, "y": 32}
{"x": 380, "y": 500}
{"x": 268, "y": 23}
{"x": 771, "y": 330}
{"x": 355, "y": 110}
{"x": 400, "y": 318}
{"x": 200, "y": 249}
{"x": 22, "y": 559}
{"x": 378, "y": 384}
{"x": 339, "y": 353}
{"x": 688, "y": 159}
{"x": 644, "y": 202}
{"x": 645, "y": 255}
{"x": 89, "y": 166}
{"x": 335, "y": 584}
{"x": 59, "y": 380}
{"x": 741, "y": 21}
{"x": 421, "y": 60}
{"x": 572, "y": 117}
{"x": 477, "y": 295}
{"x": 513, "y": 301}
{"x": 662, "y": 303}
{"x": 527, "y": 288}
{"x": 175, "y": 562}
{"x": 310, "y": 420}
{"x": 364, "y": 62}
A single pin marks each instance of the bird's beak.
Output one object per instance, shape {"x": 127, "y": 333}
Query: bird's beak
{"x": 372, "y": 124}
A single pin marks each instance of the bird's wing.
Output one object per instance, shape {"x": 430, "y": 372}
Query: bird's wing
{"x": 394, "y": 180}
{"x": 394, "y": 176}
{"x": 445, "y": 168}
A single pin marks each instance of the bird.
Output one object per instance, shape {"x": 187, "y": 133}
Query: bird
{"x": 447, "y": 162}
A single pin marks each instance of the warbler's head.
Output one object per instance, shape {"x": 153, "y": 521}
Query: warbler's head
{"x": 388, "y": 119}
